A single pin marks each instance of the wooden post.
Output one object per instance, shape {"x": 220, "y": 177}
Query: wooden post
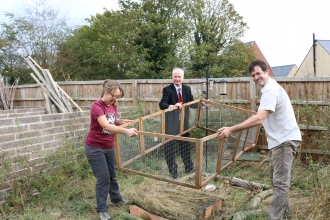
{"x": 135, "y": 94}
{"x": 45, "y": 90}
{"x": 253, "y": 94}
{"x": 236, "y": 146}
{"x": 199, "y": 164}
{"x": 68, "y": 97}
{"x": 51, "y": 82}
{"x": 47, "y": 103}
{"x": 219, "y": 161}
{"x": 142, "y": 147}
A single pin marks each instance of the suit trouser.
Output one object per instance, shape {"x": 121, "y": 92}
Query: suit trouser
{"x": 170, "y": 149}
{"x": 281, "y": 158}
{"x": 103, "y": 163}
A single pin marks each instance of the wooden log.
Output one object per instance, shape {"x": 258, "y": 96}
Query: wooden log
{"x": 246, "y": 184}
{"x": 257, "y": 199}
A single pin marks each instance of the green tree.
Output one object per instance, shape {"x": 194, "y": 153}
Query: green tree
{"x": 139, "y": 41}
{"x": 36, "y": 33}
{"x": 162, "y": 28}
{"x": 233, "y": 61}
{"x": 215, "y": 30}
{"x": 103, "y": 49}
{"x": 147, "y": 38}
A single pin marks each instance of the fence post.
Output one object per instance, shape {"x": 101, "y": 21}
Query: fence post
{"x": 135, "y": 94}
{"x": 253, "y": 94}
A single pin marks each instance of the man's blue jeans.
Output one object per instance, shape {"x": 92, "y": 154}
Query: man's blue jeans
{"x": 281, "y": 158}
{"x": 103, "y": 163}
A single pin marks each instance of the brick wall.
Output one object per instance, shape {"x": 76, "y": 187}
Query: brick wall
{"x": 31, "y": 134}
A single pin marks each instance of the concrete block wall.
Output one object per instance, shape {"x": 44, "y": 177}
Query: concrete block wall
{"x": 31, "y": 134}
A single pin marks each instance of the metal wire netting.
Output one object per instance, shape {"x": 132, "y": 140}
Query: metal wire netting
{"x": 181, "y": 145}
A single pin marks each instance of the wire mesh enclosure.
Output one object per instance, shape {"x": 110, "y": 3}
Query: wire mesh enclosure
{"x": 182, "y": 146}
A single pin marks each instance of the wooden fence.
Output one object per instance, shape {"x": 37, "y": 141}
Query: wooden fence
{"x": 310, "y": 98}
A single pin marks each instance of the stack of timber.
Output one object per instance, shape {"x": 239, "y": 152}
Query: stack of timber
{"x": 57, "y": 100}
{"x": 7, "y": 93}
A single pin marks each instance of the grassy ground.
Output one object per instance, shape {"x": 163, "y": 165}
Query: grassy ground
{"x": 69, "y": 194}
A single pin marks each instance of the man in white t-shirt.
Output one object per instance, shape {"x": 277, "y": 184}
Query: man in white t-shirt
{"x": 283, "y": 135}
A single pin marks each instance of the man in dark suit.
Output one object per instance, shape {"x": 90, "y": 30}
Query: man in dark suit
{"x": 176, "y": 94}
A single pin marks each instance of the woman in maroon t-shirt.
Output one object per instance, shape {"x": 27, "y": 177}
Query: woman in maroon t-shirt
{"x": 99, "y": 146}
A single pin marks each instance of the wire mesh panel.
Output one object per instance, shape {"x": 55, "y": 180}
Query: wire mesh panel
{"x": 182, "y": 145}
{"x": 128, "y": 148}
{"x": 152, "y": 124}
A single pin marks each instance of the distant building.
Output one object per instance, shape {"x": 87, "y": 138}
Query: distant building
{"x": 285, "y": 71}
{"x": 322, "y": 61}
{"x": 259, "y": 55}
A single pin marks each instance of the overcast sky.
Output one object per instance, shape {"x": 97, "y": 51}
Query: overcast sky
{"x": 283, "y": 29}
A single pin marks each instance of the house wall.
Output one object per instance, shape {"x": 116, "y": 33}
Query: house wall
{"x": 293, "y": 71}
{"x": 306, "y": 69}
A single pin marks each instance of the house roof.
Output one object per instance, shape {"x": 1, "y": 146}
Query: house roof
{"x": 282, "y": 71}
{"x": 259, "y": 55}
{"x": 325, "y": 44}
{"x": 249, "y": 43}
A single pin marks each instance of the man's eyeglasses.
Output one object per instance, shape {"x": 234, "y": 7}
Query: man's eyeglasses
{"x": 116, "y": 97}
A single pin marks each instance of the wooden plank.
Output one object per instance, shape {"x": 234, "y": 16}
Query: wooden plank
{"x": 233, "y": 107}
{"x": 246, "y": 138}
{"x": 210, "y": 208}
{"x": 47, "y": 103}
{"x": 142, "y": 147}
{"x": 219, "y": 160}
{"x": 47, "y": 91}
{"x": 51, "y": 81}
{"x": 75, "y": 104}
{"x": 182, "y": 119}
{"x": 205, "y": 182}
{"x": 253, "y": 95}
{"x": 249, "y": 148}
{"x": 173, "y": 137}
{"x": 135, "y": 95}
{"x": 35, "y": 70}
{"x": 139, "y": 212}
{"x": 117, "y": 149}
{"x": 238, "y": 140}
{"x": 199, "y": 163}
{"x": 215, "y": 135}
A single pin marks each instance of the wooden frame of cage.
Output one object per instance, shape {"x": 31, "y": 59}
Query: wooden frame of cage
{"x": 199, "y": 183}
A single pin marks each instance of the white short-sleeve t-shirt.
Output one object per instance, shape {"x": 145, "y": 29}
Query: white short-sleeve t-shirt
{"x": 281, "y": 124}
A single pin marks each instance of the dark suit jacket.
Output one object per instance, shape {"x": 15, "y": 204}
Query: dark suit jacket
{"x": 170, "y": 97}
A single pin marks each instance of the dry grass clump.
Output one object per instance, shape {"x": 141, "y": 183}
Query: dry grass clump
{"x": 172, "y": 201}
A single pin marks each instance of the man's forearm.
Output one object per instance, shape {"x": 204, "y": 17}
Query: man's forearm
{"x": 248, "y": 123}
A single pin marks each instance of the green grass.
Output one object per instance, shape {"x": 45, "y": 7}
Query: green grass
{"x": 70, "y": 192}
